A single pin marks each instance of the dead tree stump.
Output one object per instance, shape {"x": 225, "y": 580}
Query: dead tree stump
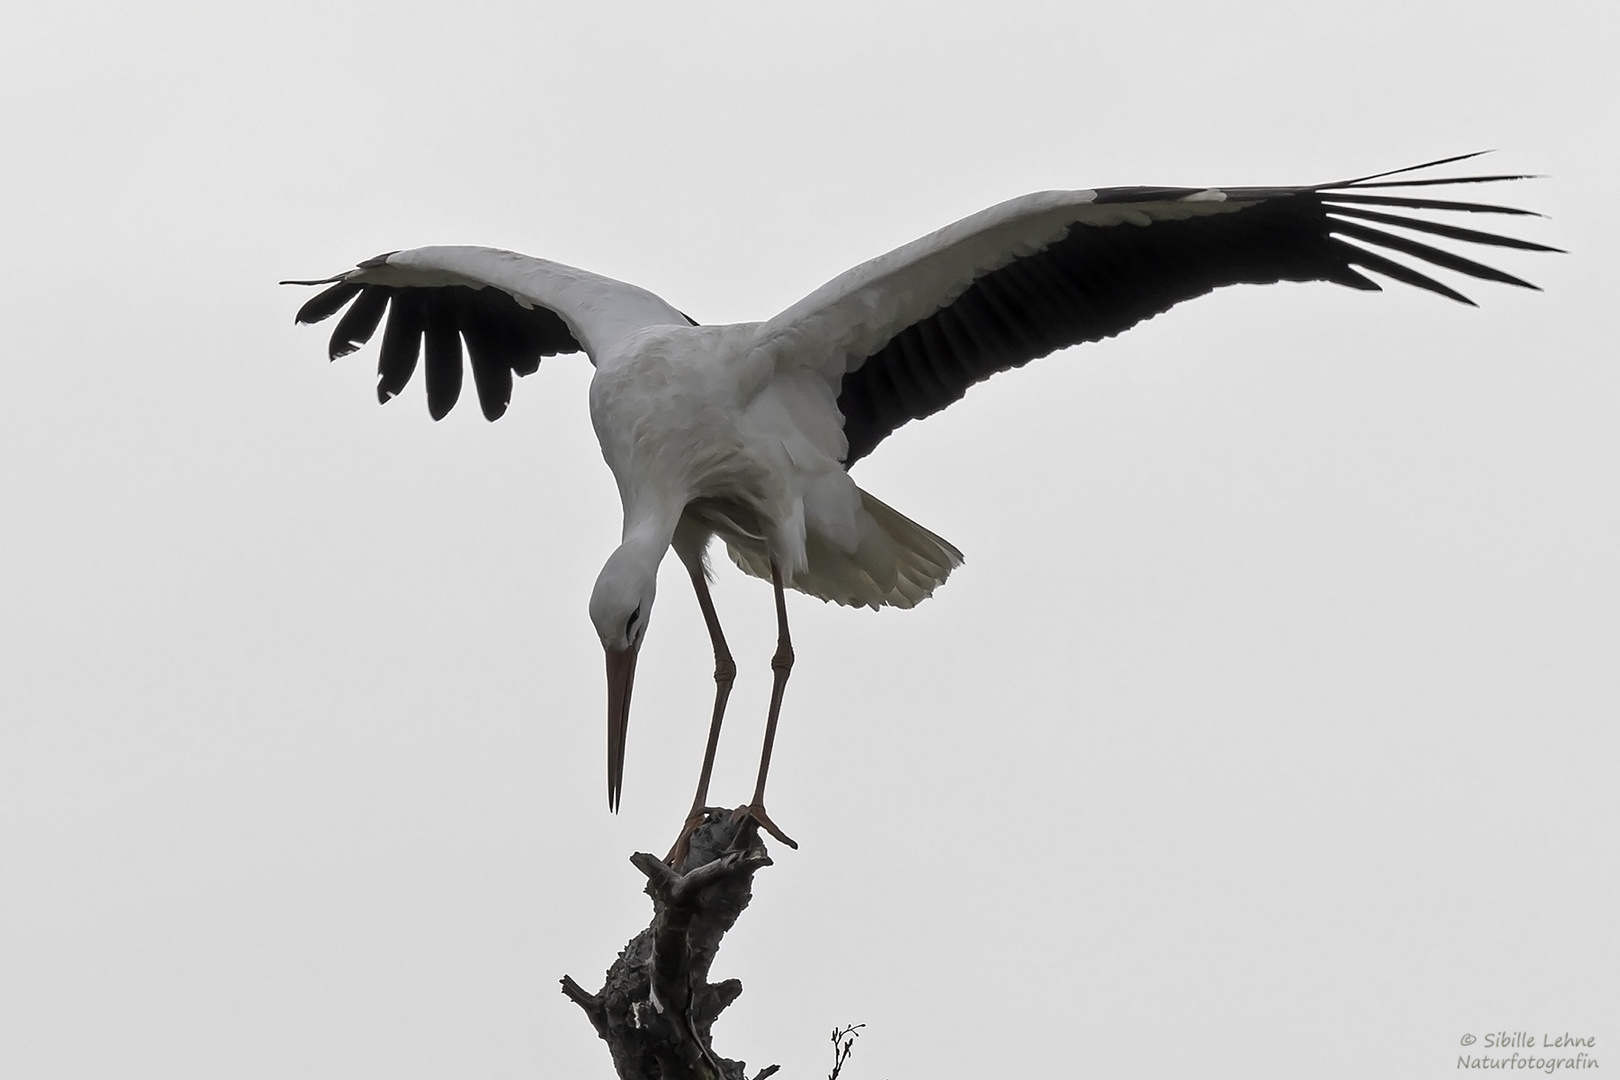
{"x": 656, "y": 1007}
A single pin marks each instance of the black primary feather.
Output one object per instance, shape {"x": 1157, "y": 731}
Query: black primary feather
{"x": 443, "y": 352}
{"x": 359, "y": 322}
{"x": 401, "y": 342}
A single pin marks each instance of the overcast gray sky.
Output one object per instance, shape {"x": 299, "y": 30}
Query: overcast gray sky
{"x": 1269, "y": 729}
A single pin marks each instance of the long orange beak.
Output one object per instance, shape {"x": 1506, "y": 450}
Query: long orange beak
{"x": 621, "y": 674}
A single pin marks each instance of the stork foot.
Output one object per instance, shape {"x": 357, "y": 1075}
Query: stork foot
{"x": 755, "y": 812}
{"x": 683, "y": 842}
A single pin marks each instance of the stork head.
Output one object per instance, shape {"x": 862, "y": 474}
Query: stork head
{"x": 621, "y": 605}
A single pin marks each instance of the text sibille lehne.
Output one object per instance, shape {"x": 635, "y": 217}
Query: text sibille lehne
{"x": 1503, "y": 1040}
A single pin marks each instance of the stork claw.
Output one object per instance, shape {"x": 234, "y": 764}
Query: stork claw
{"x": 755, "y": 812}
{"x": 683, "y": 843}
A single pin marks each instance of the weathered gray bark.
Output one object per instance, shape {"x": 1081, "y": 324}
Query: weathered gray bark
{"x": 657, "y": 1007}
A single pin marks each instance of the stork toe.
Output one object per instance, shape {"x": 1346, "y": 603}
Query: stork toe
{"x": 755, "y": 812}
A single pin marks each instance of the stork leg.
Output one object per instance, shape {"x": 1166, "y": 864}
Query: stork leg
{"x": 781, "y": 665}
{"x": 725, "y": 672}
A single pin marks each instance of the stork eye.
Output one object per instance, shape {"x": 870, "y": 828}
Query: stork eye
{"x": 630, "y": 623}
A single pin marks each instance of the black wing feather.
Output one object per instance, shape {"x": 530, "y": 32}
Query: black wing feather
{"x": 359, "y": 322}
{"x": 1097, "y": 281}
{"x": 1441, "y": 181}
{"x": 494, "y": 383}
{"x": 1430, "y": 204}
{"x": 443, "y": 352}
{"x": 401, "y": 342}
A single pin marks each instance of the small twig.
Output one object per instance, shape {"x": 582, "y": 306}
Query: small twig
{"x": 847, "y": 1036}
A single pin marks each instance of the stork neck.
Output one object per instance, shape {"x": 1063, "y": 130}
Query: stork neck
{"x": 648, "y": 531}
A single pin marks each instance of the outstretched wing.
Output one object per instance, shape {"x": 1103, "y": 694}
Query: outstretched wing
{"x": 904, "y": 335}
{"x": 510, "y": 309}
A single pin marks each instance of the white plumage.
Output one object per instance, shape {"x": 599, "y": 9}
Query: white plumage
{"x": 747, "y": 431}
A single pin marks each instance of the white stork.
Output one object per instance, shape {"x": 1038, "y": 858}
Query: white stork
{"x": 747, "y": 431}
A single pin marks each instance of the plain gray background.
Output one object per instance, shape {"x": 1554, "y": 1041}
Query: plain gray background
{"x": 1269, "y": 729}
